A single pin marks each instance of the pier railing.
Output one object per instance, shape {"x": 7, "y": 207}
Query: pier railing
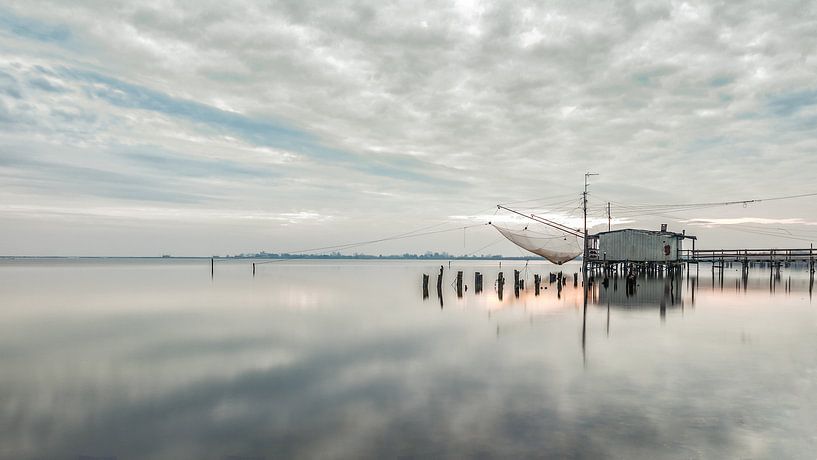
{"x": 752, "y": 255}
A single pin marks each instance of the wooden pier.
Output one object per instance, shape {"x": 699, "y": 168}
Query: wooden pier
{"x": 718, "y": 258}
{"x": 748, "y": 255}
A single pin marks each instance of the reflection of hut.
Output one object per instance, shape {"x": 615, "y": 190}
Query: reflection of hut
{"x": 650, "y": 293}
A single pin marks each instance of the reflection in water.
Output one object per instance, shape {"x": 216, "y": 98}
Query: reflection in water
{"x": 152, "y": 359}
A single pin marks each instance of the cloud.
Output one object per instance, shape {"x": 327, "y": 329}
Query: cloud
{"x": 163, "y": 214}
{"x": 751, "y": 220}
{"x": 33, "y": 29}
{"x": 441, "y": 109}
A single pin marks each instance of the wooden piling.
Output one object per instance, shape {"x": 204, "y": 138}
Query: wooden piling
{"x": 440, "y": 281}
{"x": 459, "y": 284}
{"x": 253, "y": 269}
{"x": 212, "y": 267}
{"x": 440, "y": 287}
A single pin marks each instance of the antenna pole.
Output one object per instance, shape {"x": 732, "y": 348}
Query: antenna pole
{"x": 609, "y": 218}
{"x": 584, "y": 209}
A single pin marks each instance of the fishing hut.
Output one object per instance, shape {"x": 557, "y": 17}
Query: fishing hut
{"x": 651, "y": 251}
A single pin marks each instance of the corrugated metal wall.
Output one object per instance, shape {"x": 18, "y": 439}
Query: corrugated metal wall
{"x": 637, "y": 246}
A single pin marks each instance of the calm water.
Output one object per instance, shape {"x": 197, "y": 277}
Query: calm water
{"x": 153, "y": 359}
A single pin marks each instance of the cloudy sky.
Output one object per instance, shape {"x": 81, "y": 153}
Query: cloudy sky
{"x": 142, "y": 128}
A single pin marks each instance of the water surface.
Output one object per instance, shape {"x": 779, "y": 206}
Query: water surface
{"x": 345, "y": 359}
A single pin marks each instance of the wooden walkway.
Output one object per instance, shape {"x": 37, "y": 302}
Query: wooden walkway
{"x": 749, "y": 255}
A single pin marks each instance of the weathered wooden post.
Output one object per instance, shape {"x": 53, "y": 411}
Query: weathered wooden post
{"x": 212, "y": 267}
{"x": 253, "y": 269}
{"x": 459, "y": 284}
{"x": 440, "y": 287}
{"x": 537, "y": 281}
{"x": 425, "y": 286}
{"x": 575, "y": 279}
{"x": 477, "y": 282}
{"x": 516, "y": 283}
{"x": 500, "y": 284}
{"x": 440, "y": 281}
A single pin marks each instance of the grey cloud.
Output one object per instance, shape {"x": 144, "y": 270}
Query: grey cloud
{"x": 57, "y": 178}
{"x": 9, "y": 86}
{"x": 486, "y": 101}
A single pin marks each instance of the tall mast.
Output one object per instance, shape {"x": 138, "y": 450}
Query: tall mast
{"x": 609, "y": 218}
{"x": 584, "y": 208}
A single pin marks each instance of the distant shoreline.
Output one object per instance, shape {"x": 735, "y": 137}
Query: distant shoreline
{"x": 270, "y": 257}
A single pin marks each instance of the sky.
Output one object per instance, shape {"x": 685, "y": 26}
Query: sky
{"x": 226, "y": 127}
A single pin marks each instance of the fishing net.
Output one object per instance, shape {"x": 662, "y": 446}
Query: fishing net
{"x": 557, "y": 247}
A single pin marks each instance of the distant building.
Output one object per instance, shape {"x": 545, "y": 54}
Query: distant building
{"x": 635, "y": 245}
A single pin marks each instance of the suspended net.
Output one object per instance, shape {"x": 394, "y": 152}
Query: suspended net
{"x": 555, "y": 246}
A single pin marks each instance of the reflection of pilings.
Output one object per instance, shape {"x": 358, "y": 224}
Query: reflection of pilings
{"x": 631, "y": 283}
{"x": 694, "y": 288}
{"x": 720, "y": 276}
{"x": 584, "y": 326}
{"x": 662, "y": 309}
{"x": 771, "y": 280}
